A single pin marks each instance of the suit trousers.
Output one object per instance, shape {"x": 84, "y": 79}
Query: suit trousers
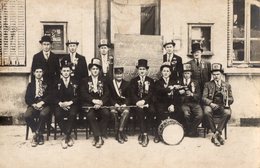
{"x": 224, "y": 117}
{"x": 144, "y": 116}
{"x": 30, "y": 116}
{"x": 193, "y": 115}
{"x": 98, "y": 119}
{"x": 60, "y": 114}
{"x": 124, "y": 113}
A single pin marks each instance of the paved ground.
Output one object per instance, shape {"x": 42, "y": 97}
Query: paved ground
{"x": 242, "y": 150}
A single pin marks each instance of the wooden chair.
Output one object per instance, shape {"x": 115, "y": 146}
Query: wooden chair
{"x": 216, "y": 119}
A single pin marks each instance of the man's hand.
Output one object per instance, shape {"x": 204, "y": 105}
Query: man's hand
{"x": 171, "y": 108}
{"x": 97, "y": 102}
{"x": 64, "y": 106}
{"x": 140, "y": 103}
{"x": 171, "y": 87}
{"x": 181, "y": 91}
{"x": 214, "y": 106}
{"x": 189, "y": 93}
{"x": 97, "y": 106}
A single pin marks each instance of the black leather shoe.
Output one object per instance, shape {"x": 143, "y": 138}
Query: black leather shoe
{"x": 156, "y": 139}
{"x": 119, "y": 138}
{"x": 145, "y": 141}
{"x": 40, "y": 139}
{"x": 220, "y": 139}
{"x": 140, "y": 138}
{"x": 34, "y": 141}
{"x": 124, "y": 137}
{"x": 100, "y": 142}
{"x": 94, "y": 142}
{"x": 215, "y": 141}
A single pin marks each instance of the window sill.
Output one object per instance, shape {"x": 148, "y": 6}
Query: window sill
{"x": 19, "y": 70}
{"x": 242, "y": 71}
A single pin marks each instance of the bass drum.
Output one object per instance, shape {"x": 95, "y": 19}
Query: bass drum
{"x": 171, "y": 132}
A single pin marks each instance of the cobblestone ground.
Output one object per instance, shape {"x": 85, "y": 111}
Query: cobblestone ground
{"x": 242, "y": 150}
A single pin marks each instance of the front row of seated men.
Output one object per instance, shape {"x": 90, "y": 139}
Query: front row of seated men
{"x": 101, "y": 98}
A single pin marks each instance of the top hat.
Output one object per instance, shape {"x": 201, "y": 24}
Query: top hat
{"x": 217, "y": 67}
{"x": 168, "y": 42}
{"x": 119, "y": 70}
{"x": 165, "y": 64}
{"x": 187, "y": 67}
{"x": 72, "y": 42}
{"x": 195, "y": 47}
{"x": 142, "y": 63}
{"x": 37, "y": 66}
{"x": 96, "y": 62}
{"x": 45, "y": 39}
{"x": 103, "y": 42}
{"x": 65, "y": 63}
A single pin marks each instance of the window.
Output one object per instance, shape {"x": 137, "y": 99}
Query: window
{"x": 246, "y": 32}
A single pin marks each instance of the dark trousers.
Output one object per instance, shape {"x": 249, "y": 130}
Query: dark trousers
{"x": 98, "y": 120}
{"x": 60, "y": 114}
{"x": 30, "y": 116}
{"x": 224, "y": 117}
{"x": 123, "y": 113}
{"x": 193, "y": 115}
{"x": 144, "y": 116}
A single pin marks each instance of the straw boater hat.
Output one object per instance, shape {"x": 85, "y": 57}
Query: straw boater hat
{"x": 217, "y": 67}
{"x": 168, "y": 42}
{"x": 72, "y": 42}
{"x": 195, "y": 47}
{"x": 103, "y": 42}
{"x": 96, "y": 62}
{"x": 45, "y": 39}
{"x": 142, "y": 63}
{"x": 165, "y": 64}
{"x": 187, "y": 68}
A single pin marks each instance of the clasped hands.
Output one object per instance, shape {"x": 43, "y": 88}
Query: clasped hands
{"x": 38, "y": 106}
{"x": 65, "y": 105}
{"x": 97, "y": 103}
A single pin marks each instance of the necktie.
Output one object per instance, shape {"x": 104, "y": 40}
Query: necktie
{"x": 66, "y": 82}
{"x": 40, "y": 92}
{"x": 169, "y": 57}
{"x": 197, "y": 61}
{"x": 46, "y": 56}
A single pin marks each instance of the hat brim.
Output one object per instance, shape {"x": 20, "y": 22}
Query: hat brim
{"x": 187, "y": 70}
{"x": 91, "y": 65}
{"x": 147, "y": 67}
{"x": 220, "y": 70}
{"x": 169, "y": 43}
{"x": 77, "y": 43}
{"x": 100, "y": 45}
{"x": 197, "y": 50}
{"x": 45, "y": 41}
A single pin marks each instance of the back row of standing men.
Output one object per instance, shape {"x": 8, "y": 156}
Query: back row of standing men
{"x": 65, "y": 86}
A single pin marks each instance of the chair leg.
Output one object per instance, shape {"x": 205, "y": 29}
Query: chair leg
{"x": 76, "y": 133}
{"x": 225, "y": 131}
{"x": 27, "y": 132}
{"x": 204, "y": 132}
{"x": 55, "y": 129}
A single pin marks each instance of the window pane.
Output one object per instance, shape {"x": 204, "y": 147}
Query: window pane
{"x": 238, "y": 18}
{"x": 255, "y": 21}
{"x": 255, "y": 50}
{"x": 239, "y": 50}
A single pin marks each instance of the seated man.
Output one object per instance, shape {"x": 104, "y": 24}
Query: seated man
{"x": 141, "y": 88}
{"x": 37, "y": 98}
{"x": 190, "y": 102}
{"x": 66, "y": 101}
{"x": 118, "y": 88}
{"x": 217, "y": 97}
{"x": 95, "y": 94}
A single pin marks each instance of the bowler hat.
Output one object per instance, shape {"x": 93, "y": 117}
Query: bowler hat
{"x": 96, "y": 62}
{"x": 37, "y": 66}
{"x": 165, "y": 64}
{"x": 195, "y": 47}
{"x": 187, "y": 67}
{"x": 142, "y": 63}
{"x": 217, "y": 67}
{"x": 103, "y": 42}
{"x": 72, "y": 42}
{"x": 168, "y": 42}
{"x": 45, "y": 39}
{"x": 119, "y": 70}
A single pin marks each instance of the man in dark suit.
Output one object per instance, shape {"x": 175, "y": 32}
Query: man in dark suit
{"x": 47, "y": 60}
{"x": 175, "y": 60}
{"x": 76, "y": 61}
{"x": 217, "y": 98}
{"x": 37, "y": 98}
{"x": 142, "y": 88}
{"x": 190, "y": 102}
{"x": 201, "y": 68}
{"x": 66, "y": 101}
{"x": 95, "y": 93}
{"x": 119, "y": 92}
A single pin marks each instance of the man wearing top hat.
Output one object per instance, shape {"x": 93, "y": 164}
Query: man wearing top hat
{"x": 175, "y": 60}
{"x": 119, "y": 92}
{"x": 190, "y": 101}
{"x": 95, "y": 94}
{"x": 78, "y": 62}
{"x": 201, "y": 68}
{"x": 106, "y": 59}
{"x": 47, "y": 60}
{"x": 217, "y": 98}
{"x": 66, "y": 103}
{"x": 38, "y": 99}
{"x": 142, "y": 88}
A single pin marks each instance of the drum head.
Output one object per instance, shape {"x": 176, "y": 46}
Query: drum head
{"x": 173, "y": 134}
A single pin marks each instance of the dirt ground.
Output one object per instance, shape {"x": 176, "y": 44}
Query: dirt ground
{"x": 242, "y": 150}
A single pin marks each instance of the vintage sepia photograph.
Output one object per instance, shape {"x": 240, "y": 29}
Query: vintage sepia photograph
{"x": 130, "y": 83}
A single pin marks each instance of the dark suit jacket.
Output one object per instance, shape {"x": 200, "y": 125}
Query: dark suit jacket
{"x": 81, "y": 69}
{"x": 115, "y": 98}
{"x": 87, "y": 95}
{"x": 177, "y": 71}
{"x": 196, "y": 93}
{"x": 51, "y": 67}
{"x": 30, "y": 94}
{"x": 209, "y": 91}
{"x": 201, "y": 73}
{"x": 148, "y": 97}
{"x": 61, "y": 93}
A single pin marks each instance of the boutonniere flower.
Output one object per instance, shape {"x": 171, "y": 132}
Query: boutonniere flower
{"x": 74, "y": 89}
{"x": 146, "y": 85}
{"x": 90, "y": 86}
{"x": 59, "y": 86}
{"x": 192, "y": 87}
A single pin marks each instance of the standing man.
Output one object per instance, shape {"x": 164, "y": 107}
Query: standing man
{"x": 47, "y": 60}
{"x": 217, "y": 98}
{"x": 190, "y": 102}
{"x": 106, "y": 59}
{"x": 201, "y": 68}
{"x": 175, "y": 60}
{"x": 95, "y": 94}
{"x": 142, "y": 88}
{"x": 78, "y": 62}
{"x": 37, "y": 98}
{"x": 66, "y": 101}
{"x": 119, "y": 91}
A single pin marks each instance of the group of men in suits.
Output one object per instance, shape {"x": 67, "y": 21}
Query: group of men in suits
{"x": 65, "y": 87}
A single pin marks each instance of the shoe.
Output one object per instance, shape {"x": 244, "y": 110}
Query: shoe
{"x": 220, "y": 139}
{"x": 40, "y": 140}
{"x": 34, "y": 141}
{"x": 64, "y": 143}
{"x": 100, "y": 142}
{"x": 156, "y": 139}
{"x": 70, "y": 142}
{"x": 94, "y": 142}
{"x": 145, "y": 141}
{"x": 215, "y": 141}
{"x": 124, "y": 137}
{"x": 140, "y": 138}
{"x": 119, "y": 138}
